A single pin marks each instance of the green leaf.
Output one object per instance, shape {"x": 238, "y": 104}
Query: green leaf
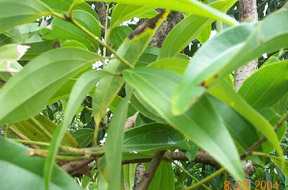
{"x": 189, "y": 29}
{"x": 118, "y": 34}
{"x": 266, "y": 86}
{"x": 40, "y": 129}
{"x": 37, "y": 86}
{"x": 206, "y": 62}
{"x": 27, "y": 170}
{"x": 226, "y": 93}
{"x": 113, "y": 145}
{"x": 175, "y": 64}
{"x": 150, "y": 137}
{"x": 81, "y": 88}
{"x": 228, "y": 51}
{"x": 189, "y": 6}
{"x": 164, "y": 177}
{"x": 200, "y": 124}
{"x": 124, "y": 12}
{"x": 243, "y": 133}
{"x": 130, "y": 50}
{"x": 59, "y": 5}
{"x": 14, "y": 12}
{"x": 84, "y": 136}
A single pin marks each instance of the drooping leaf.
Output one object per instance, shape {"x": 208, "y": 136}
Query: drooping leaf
{"x": 39, "y": 80}
{"x": 189, "y": 6}
{"x": 266, "y": 86}
{"x": 113, "y": 146}
{"x": 83, "y": 85}
{"x": 228, "y": 51}
{"x": 200, "y": 124}
{"x": 27, "y": 170}
{"x": 124, "y": 12}
{"x": 189, "y": 29}
{"x": 226, "y": 93}
{"x": 14, "y": 12}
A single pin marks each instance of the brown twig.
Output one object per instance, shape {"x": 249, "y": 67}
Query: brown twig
{"x": 148, "y": 175}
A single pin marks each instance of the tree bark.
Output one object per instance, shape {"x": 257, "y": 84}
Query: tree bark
{"x": 248, "y": 13}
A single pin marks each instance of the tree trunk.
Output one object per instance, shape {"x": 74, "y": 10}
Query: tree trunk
{"x": 248, "y": 13}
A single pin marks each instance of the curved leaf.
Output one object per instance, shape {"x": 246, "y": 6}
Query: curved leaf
{"x": 189, "y": 6}
{"x": 27, "y": 170}
{"x": 15, "y": 12}
{"x": 228, "y": 51}
{"x": 81, "y": 88}
{"x": 188, "y": 29}
{"x": 200, "y": 124}
{"x": 266, "y": 86}
{"x": 113, "y": 145}
{"x": 25, "y": 94}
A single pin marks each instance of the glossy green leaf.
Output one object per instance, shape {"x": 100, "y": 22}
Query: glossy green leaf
{"x": 164, "y": 177}
{"x": 124, "y": 12}
{"x": 14, "y": 12}
{"x": 35, "y": 82}
{"x": 81, "y": 88}
{"x": 113, "y": 145}
{"x": 200, "y": 124}
{"x": 226, "y": 93}
{"x": 231, "y": 49}
{"x": 152, "y": 137}
{"x": 266, "y": 86}
{"x": 118, "y": 34}
{"x": 130, "y": 50}
{"x": 189, "y": 6}
{"x": 27, "y": 170}
{"x": 189, "y": 29}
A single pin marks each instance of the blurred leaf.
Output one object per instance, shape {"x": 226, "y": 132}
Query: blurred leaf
{"x": 84, "y": 136}
{"x": 81, "y": 88}
{"x": 188, "y": 6}
{"x": 118, "y": 35}
{"x": 266, "y": 86}
{"x": 122, "y": 12}
{"x": 15, "y": 12}
{"x": 152, "y": 137}
{"x": 113, "y": 145}
{"x": 36, "y": 84}
{"x": 27, "y": 170}
{"x": 200, "y": 124}
{"x": 40, "y": 129}
{"x": 174, "y": 64}
{"x": 163, "y": 178}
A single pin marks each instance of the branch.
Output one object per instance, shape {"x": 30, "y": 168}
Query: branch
{"x": 148, "y": 175}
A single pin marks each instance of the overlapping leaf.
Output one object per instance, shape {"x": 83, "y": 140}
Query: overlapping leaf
{"x": 200, "y": 124}
{"x": 39, "y": 80}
